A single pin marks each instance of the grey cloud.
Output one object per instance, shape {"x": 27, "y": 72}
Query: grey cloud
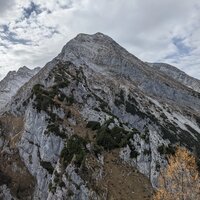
{"x": 32, "y": 8}
{"x": 12, "y": 37}
{"x": 65, "y": 4}
{"x": 5, "y": 5}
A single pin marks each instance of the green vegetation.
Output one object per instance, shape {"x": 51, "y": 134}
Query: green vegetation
{"x": 114, "y": 138}
{"x": 60, "y": 80}
{"x": 30, "y": 159}
{"x": 145, "y": 137}
{"x": 105, "y": 139}
{"x": 69, "y": 100}
{"x": 97, "y": 149}
{"x": 133, "y": 109}
{"x": 63, "y": 84}
{"x": 62, "y": 184}
{"x": 43, "y": 98}
{"x": 50, "y": 186}
{"x": 4, "y": 179}
{"x": 157, "y": 166}
{"x": 55, "y": 129}
{"x": 146, "y": 152}
{"x": 168, "y": 134}
{"x": 61, "y": 97}
{"x": 164, "y": 150}
{"x": 75, "y": 148}
{"x": 103, "y": 105}
{"x": 109, "y": 139}
{"x": 54, "y": 118}
{"x": 93, "y": 125}
{"x": 70, "y": 193}
{"x": 119, "y": 98}
{"x": 134, "y": 153}
{"x": 97, "y": 109}
{"x": 56, "y": 179}
{"x": 47, "y": 165}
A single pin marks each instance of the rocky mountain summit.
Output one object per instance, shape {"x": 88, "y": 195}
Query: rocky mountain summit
{"x": 94, "y": 123}
{"x": 13, "y": 81}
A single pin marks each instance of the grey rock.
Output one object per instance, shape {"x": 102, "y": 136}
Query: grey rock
{"x": 178, "y": 75}
{"x": 107, "y": 83}
{"x": 13, "y": 81}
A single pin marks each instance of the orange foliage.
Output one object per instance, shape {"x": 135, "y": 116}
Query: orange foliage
{"x": 180, "y": 180}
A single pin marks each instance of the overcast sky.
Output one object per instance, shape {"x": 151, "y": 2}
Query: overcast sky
{"x": 33, "y": 32}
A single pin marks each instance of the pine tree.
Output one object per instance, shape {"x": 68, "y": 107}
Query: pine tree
{"x": 180, "y": 180}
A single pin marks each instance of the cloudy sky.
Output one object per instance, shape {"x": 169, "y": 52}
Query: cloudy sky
{"x": 32, "y": 32}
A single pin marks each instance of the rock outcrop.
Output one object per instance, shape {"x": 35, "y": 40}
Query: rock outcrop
{"x": 12, "y": 82}
{"x": 178, "y": 75}
{"x": 91, "y": 118}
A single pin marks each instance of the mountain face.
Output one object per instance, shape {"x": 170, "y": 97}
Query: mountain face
{"x": 178, "y": 75}
{"x": 13, "y": 81}
{"x": 90, "y": 119}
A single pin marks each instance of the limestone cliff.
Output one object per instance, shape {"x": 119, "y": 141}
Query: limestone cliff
{"x": 95, "y": 123}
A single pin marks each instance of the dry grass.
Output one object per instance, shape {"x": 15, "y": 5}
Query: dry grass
{"x": 12, "y": 169}
{"x": 123, "y": 182}
{"x": 120, "y": 181}
{"x": 20, "y": 182}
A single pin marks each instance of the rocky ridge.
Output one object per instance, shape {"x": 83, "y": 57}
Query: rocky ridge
{"x": 13, "y": 81}
{"x": 92, "y": 112}
{"x": 178, "y": 75}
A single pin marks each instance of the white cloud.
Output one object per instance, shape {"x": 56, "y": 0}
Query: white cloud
{"x": 146, "y": 28}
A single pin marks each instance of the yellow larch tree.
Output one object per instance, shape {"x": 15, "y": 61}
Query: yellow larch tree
{"x": 180, "y": 180}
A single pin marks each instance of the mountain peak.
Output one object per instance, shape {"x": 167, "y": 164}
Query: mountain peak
{"x": 13, "y": 81}
{"x": 71, "y": 124}
{"x": 92, "y": 36}
{"x": 98, "y": 51}
{"x": 24, "y": 68}
{"x": 93, "y": 41}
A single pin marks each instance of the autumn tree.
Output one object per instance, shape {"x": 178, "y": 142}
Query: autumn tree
{"x": 180, "y": 180}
